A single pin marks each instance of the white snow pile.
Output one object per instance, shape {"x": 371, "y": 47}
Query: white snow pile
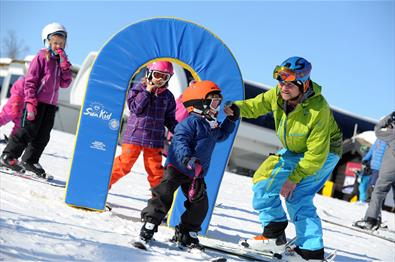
{"x": 37, "y": 225}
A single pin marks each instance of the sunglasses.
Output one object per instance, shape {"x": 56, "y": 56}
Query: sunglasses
{"x": 160, "y": 75}
{"x": 282, "y": 73}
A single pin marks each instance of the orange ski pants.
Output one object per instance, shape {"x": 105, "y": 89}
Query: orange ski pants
{"x": 152, "y": 163}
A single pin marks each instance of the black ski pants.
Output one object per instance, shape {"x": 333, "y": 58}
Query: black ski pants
{"x": 33, "y": 136}
{"x": 162, "y": 198}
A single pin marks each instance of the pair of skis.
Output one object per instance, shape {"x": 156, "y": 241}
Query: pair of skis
{"x": 49, "y": 179}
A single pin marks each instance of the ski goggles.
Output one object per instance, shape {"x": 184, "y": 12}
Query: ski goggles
{"x": 282, "y": 73}
{"x": 160, "y": 75}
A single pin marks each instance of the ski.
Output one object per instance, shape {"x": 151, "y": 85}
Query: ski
{"x": 239, "y": 252}
{"x": 242, "y": 251}
{"x": 376, "y": 233}
{"x": 148, "y": 246}
{"x": 31, "y": 176}
{"x": 256, "y": 255}
{"x": 329, "y": 257}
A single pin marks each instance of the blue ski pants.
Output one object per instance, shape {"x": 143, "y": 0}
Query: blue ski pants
{"x": 301, "y": 210}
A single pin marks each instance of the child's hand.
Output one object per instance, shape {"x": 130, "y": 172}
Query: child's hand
{"x": 31, "y": 112}
{"x": 64, "y": 62}
{"x": 150, "y": 86}
{"x": 197, "y": 190}
{"x": 190, "y": 162}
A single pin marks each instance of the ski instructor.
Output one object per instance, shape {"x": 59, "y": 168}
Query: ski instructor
{"x": 312, "y": 147}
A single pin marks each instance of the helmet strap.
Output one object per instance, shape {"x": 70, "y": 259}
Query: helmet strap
{"x": 52, "y": 52}
{"x": 212, "y": 122}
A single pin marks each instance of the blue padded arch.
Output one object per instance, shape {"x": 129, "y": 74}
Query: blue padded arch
{"x": 125, "y": 53}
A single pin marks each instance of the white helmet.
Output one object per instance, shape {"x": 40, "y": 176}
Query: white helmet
{"x": 50, "y": 29}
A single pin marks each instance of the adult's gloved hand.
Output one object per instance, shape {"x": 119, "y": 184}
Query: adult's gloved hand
{"x": 31, "y": 111}
{"x": 64, "y": 62}
{"x": 232, "y": 111}
{"x": 365, "y": 162}
{"x": 391, "y": 120}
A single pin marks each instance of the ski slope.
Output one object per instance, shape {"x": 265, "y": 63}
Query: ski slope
{"x": 36, "y": 224}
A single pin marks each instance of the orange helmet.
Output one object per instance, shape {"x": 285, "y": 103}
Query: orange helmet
{"x": 195, "y": 96}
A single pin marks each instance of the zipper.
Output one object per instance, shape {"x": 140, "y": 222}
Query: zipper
{"x": 55, "y": 82}
{"x": 285, "y": 132}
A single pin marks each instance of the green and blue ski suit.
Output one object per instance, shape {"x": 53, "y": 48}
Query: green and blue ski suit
{"x": 312, "y": 144}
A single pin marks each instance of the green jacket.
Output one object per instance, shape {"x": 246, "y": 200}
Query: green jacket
{"x": 309, "y": 129}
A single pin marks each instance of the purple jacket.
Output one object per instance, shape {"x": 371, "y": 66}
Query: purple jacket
{"x": 149, "y": 114}
{"x": 44, "y": 78}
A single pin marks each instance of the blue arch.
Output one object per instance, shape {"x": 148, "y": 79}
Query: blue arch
{"x": 124, "y": 54}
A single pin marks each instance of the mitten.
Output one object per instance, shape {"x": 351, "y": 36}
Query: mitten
{"x": 64, "y": 62}
{"x": 197, "y": 190}
{"x": 190, "y": 162}
{"x": 31, "y": 111}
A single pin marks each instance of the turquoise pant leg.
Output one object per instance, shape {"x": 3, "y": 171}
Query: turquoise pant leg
{"x": 266, "y": 199}
{"x": 302, "y": 211}
{"x": 363, "y": 187}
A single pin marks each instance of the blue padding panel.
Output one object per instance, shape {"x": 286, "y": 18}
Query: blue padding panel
{"x": 117, "y": 61}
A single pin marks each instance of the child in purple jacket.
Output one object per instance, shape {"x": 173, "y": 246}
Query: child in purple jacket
{"x": 152, "y": 108}
{"x": 48, "y": 71}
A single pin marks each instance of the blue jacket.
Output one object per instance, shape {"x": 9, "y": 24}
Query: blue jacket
{"x": 194, "y": 137}
{"x": 375, "y": 154}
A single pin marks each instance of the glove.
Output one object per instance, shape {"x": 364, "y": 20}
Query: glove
{"x": 190, "y": 162}
{"x": 391, "y": 120}
{"x": 31, "y": 111}
{"x": 197, "y": 190}
{"x": 64, "y": 62}
{"x": 235, "y": 109}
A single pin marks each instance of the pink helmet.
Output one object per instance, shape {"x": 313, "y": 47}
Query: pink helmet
{"x": 162, "y": 66}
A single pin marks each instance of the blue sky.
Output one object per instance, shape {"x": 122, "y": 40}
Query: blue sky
{"x": 349, "y": 43}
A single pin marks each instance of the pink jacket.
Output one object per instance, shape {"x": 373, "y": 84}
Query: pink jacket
{"x": 17, "y": 87}
{"x": 13, "y": 109}
{"x": 44, "y": 78}
{"x": 181, "y": 114}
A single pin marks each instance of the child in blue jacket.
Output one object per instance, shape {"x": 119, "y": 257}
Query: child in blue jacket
{"x": 187, "y": 163}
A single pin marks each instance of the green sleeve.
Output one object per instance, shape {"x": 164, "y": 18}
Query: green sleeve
{"x": 257, "y": 106}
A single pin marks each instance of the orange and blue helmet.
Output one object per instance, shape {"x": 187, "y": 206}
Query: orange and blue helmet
{"x": 294, "y": 69}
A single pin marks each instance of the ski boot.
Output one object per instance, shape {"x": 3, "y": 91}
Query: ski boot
{"x": 36, "y": 169}
{"x": 10, "y": 163}
{"x": 271, "y": 245}
{"x": 186, "y": 239}
{"x": 147, "y": 231}
{"x": 297, "y": 255}
{"x": 4, "y": 140}
{"x": 368, "y": 224}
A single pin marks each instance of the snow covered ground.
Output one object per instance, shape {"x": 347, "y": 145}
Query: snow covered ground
{"x": 36, "y": 224}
